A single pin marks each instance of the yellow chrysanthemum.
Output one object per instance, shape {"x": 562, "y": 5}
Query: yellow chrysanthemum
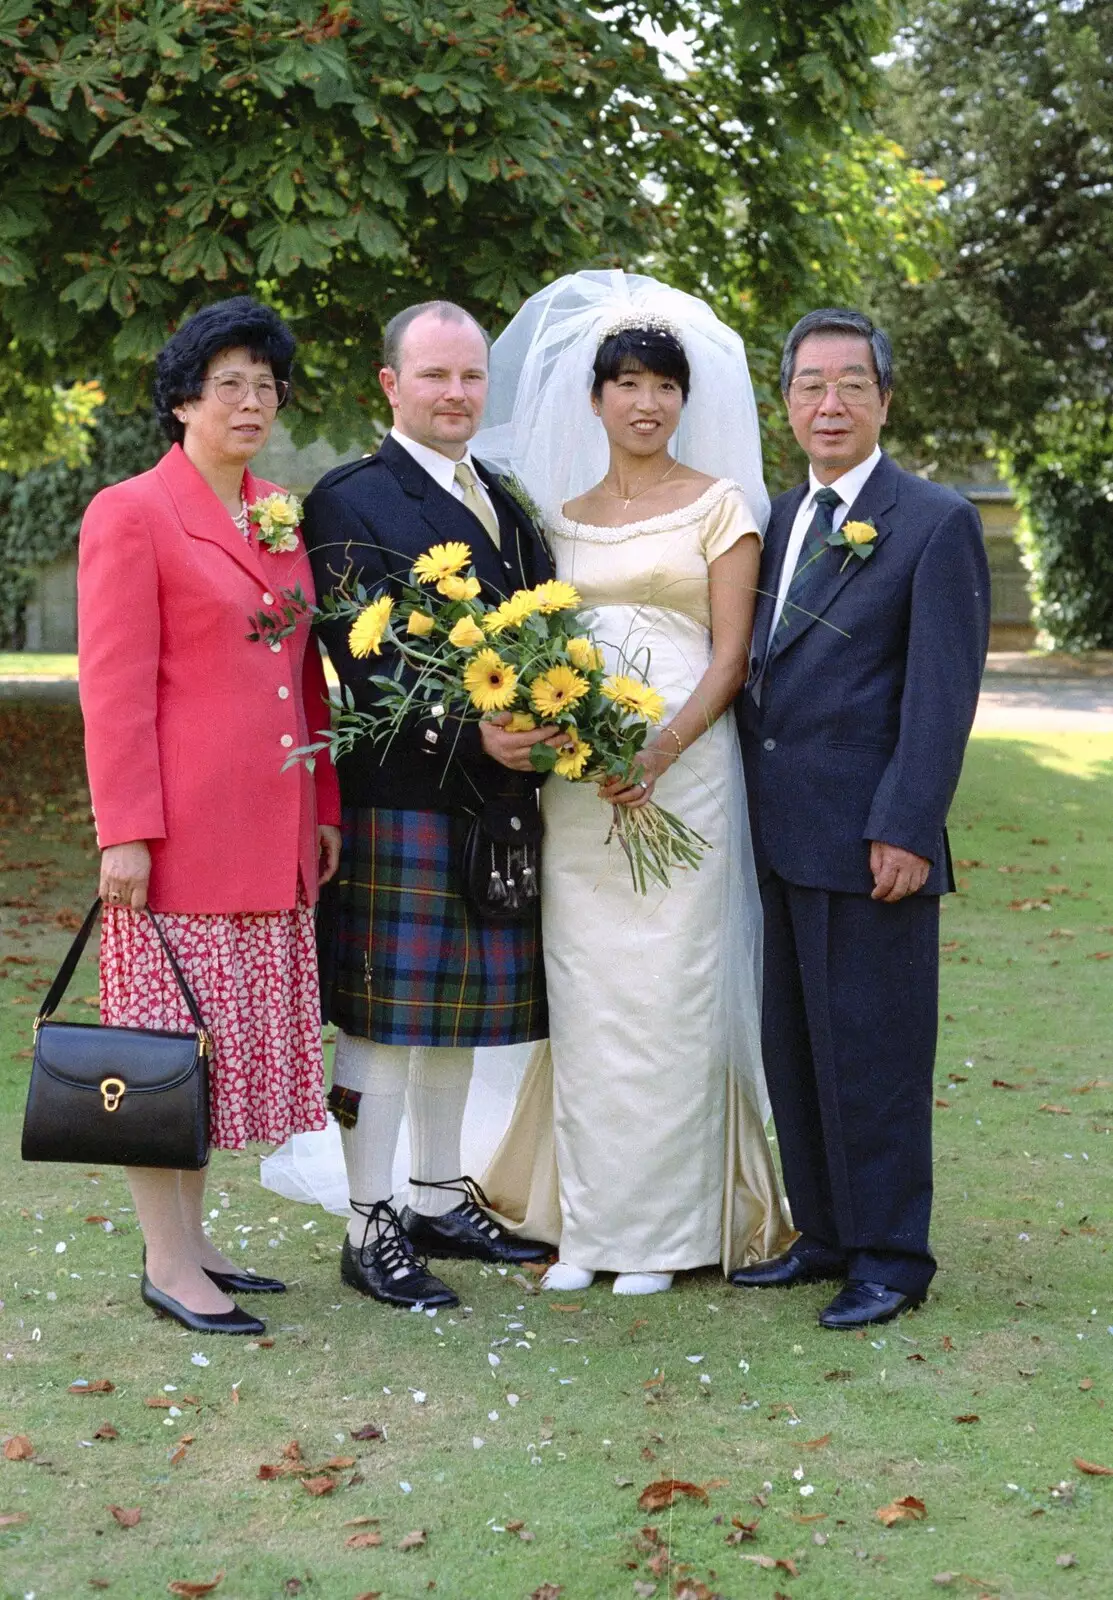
{"x": 454, "y": 588}
{"x": 583, "y": 654}
{"x": 520, "y": 722}
{"x": 511, "y": 613}
{"x": 491, "y": 682}
{"x": 571, "y": 763}
{"x": 441, "y": 560}
{"x": 557, "y": 691}
{"x": 366, "y": 633}
{"x": 420, "y": 624}
{"x": 554, "y": 595}
{"x": 634, "y": 696}
{"x": 465, "y": 635}
{"x": 859, "y": 532}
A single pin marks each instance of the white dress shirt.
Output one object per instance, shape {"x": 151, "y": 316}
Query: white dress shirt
{"x": 442, "y": 469}
{"x": 848, "y": 487}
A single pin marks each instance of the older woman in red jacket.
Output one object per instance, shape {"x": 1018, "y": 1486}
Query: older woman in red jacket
{"x": 187, "y": 729}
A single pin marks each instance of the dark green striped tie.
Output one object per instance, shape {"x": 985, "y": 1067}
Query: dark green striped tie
{"x": 811, "y": 566}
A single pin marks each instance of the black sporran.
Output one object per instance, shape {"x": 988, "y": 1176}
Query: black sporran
{"x": 502, "y": 860}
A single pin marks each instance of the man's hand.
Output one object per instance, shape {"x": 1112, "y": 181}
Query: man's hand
{"x": 328, "y": 852}
{"x": 897, "y": 873}
{"x": 512, "y": 749}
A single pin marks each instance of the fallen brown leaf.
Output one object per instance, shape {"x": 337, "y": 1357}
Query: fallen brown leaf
{"x": 106, "y": 1431}
{"x": 909, "y": 1509}
{"x": 1059, "y": 1111}
{"x": 947, "y": 1342}
{"x": 743, "y": 1532}
{"x": 179, "y": 1455}
{"x": 100, "y": 1583}
{"x": 18, "y": 1448}
{"x": 1092, "y": 1469}
{"x": 370, "y": 1594}
{"x": 11, "y": 1519}
{"x": 999, "y": 1083}
{"x": 359, "y": 1522}
{"x": 96, "y": 1218}
{"x": 1100, "y": 955}
{"x": 190, "y": 1591}
{"x": 127, "y": 1516}
{"x": 968, "y": 1416}
{"x": 292, "y": 1451}
{"x": 1086, "y": 1383}
{"x": 159, "y": 1402}
{"x": 657, "y": 1496}
{"x": 340, "y": 1463}
{"x": 98, "y": 1386}
{"x": 563, "y": 1305}
{"x": 318, "y": 1486}
{"x": 785, "y": 1563}
{"x": 813, "y": 1516}
{"x": 363, "y": 1541}
{"x": 414, "y": 1540}
{"x": 817, "y": 1444}
{"x": 547, "y": 1591}
{"x": 370, "y": 1430}
{"x": 915, "y": 1356}
{"x": 840, "y": 1375}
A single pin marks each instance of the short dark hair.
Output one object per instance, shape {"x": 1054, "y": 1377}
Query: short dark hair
{"x": 237, "y": 323}
{"x": 653, "y": 350}
{"x": 394, "y": 332}
{"x": 840, "y": 319}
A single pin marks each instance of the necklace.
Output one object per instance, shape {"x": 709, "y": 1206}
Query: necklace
{"x": 638, "y": 494}
{"x": 240, "y": 518}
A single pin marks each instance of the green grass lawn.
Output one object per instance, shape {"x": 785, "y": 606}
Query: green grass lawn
{"x": 518, "y": 1433}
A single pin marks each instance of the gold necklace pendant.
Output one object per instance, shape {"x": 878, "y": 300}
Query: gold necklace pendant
{"x": 626, "y": 503}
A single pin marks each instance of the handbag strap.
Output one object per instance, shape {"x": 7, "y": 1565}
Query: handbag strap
{"x": 77, "y": 949}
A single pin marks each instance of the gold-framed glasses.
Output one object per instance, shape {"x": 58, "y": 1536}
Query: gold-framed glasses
{"x": 231, "y": 388}
{"x": 851, "y": 391}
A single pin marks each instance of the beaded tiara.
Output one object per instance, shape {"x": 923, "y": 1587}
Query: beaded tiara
{"x": 642, "y": 321}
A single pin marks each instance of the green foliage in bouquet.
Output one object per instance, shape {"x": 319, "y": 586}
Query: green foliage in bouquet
{"x": 531, "y": 661}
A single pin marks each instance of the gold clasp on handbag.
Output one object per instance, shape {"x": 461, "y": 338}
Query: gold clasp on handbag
{"x": 112, "y": 1092}
{"x": 204, "y": 1042}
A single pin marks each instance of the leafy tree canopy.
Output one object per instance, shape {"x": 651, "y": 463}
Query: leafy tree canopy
{"x": 346, "y": 157}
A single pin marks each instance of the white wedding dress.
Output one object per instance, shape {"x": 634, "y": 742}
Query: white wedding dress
{"x": 638, "y": 1143}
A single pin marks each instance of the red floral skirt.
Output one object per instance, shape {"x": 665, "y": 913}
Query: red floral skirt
{"x": 255, "y": 981}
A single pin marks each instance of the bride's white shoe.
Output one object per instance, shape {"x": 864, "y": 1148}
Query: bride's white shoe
{"x": 562, "y": 1276}
{"x": 642, "y": 1282}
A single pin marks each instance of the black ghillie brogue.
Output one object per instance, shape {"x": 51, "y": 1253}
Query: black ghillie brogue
{"x": 386, "y": 1266}
{"x": 469, "y": 1232}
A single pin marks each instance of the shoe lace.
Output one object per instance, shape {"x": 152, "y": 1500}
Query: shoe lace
{"x": 390, "y": 1243}
{"x": 473, "y": 1204}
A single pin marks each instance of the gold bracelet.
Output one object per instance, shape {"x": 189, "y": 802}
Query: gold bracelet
{"x": 676, "y": 736}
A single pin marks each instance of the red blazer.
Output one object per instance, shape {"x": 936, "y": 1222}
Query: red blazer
{"x": 187, "y": 724}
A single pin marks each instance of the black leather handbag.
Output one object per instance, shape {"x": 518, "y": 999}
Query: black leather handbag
{"x": 129, "y": 1097}
{"x": 502, "y": 860}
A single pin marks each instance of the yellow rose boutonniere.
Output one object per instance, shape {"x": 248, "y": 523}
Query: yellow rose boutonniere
{"x": 276, "y": 518}
{"x": 856, "y": 538}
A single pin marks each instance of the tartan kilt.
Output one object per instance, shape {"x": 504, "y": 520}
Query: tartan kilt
{"x": 408, "y": 961}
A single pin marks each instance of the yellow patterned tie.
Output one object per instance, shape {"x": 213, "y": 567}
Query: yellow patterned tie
{"x": 475, "y": 502}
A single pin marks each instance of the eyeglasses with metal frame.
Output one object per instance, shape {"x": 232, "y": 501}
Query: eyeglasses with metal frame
{"x": 231, "y": 388}
{"x": 852, "y": 391}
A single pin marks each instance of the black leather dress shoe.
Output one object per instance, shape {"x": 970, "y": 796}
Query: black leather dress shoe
{"x": 860, "y": 1304}
{"x": 245, "y": 1282}
{"x": 469, "y": 1233}
{"x": 784, "y": 1271}
{"x": 387, "y": 1267}
{"x": 234, "y": 1321}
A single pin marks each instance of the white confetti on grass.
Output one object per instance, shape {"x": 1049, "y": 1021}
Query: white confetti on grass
{"x": 493, "y": 1360}
{"x": 198, "y": 1359}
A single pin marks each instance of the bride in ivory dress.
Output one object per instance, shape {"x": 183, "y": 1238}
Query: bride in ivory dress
{"x": 638, "y": 1144}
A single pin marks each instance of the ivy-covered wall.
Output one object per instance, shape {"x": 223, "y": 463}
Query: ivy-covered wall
{"x": 40, "y": 513}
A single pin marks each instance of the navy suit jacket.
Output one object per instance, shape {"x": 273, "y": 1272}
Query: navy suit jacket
{"x": 865, "y": 704}
{"x": 373, "y": 518}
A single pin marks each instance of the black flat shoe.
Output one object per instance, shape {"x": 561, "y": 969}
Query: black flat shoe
{"x": 234, "y": 1321}
{"x": 387, "y": 1267}
{"x": 784, "y": 1271}
{"x": 245, "y": 1282}
{"x": 469, "y": 1232}
{"x": 860, "y": 1304}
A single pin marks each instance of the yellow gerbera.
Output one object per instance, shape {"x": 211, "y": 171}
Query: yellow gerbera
{"x": 520, "y": 722}
{"x": 634, "y": 696}
{"x": 420, "y": 623}
{"x": 511, "y": 613}
{"x": 557, "y": 691}
{"x": 491, "y": 682}
{"x": 454, "y": 588}
{"x": 571, "y": 763}
{"x": 441, "y": 560}
{"x": 583, "y": 654}
{"x": 366, "y": 633}
{"x": 554, "y": 595}
{"x": 465, "y": 635}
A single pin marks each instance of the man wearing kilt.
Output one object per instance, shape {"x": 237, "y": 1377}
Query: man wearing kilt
{"x": 413, "y": 978}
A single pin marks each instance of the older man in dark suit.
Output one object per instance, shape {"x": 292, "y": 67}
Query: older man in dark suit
{"x": 869, "y": 643}
{"x": 415, "y": 979}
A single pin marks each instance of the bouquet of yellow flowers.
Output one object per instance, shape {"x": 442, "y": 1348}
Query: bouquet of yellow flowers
{"x": 533, "y": 656}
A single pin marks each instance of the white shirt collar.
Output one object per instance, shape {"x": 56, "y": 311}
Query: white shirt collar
{"x": 441, "y": 468}
{"x": 851, "y": 484}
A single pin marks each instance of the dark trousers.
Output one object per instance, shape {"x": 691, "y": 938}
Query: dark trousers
{"x": 850, "y": 1017}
